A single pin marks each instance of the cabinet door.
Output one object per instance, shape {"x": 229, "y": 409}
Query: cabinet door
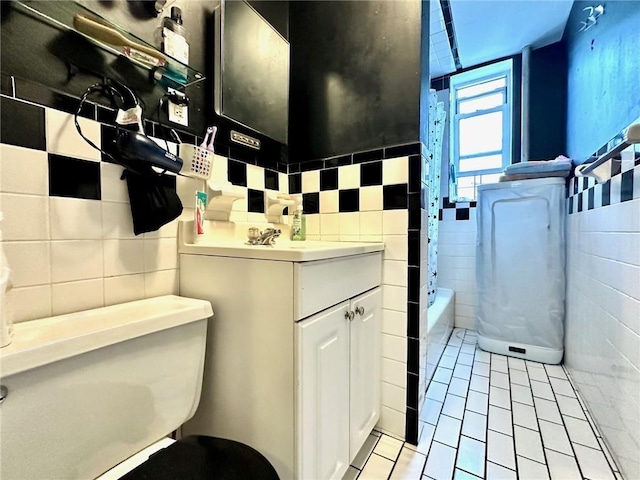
{"x": 364, "y": 368}
{"x": 323, "y": 394}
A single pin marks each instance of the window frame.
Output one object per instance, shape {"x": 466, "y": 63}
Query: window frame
{"x": 466, "y": 79}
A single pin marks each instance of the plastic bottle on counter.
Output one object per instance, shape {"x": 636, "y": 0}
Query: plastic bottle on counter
{"x": 299, "y": 225}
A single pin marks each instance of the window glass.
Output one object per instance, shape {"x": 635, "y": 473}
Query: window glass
{"x": 480, "y": 133}
{"x": 484, "y": 102}
{"x": 480, "y": 88}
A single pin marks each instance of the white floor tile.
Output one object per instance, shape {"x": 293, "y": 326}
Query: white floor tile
{"x": 593, "y": 463}
{"x": 499, "y": 363}
{"x": 480, "y": 368}
{"x": 500, "y": 380}
{"x": 365, "y": 451}
{"x": 524, "y": 415}
{"x": 440, "y": 462}
{"x": 482, "y": 356}
{"x": 447, "y": 362}
{"x": 479, "y": 383}
{"x": 451, "y": 351}
{"x": 555, "y": 371}
{"x": 570, "y": 406}
{"x": 448, "y": 431}
{"x": 474, "y": 425}
{"x": 498, "y": 472}
{"x": 376, "y": 468}
{"x": 462, "y": 371}
{"x": 477, "y": 402}
{"x": 529, "y": 444}
{"x": 454, "y": 406}
{"x": 521, "y": 394}
{"x": 562, "y": 467}
{"x": 468, "y": 346}
{"x": 388, "y": 447}
{"x": 547, "y": 410}
{"x": 538, "y": 374}
{"x": 500, "y": 449}
{"x": 426, "y": 437}
{"x": 459, "y": 387}
{"x": 517, "y": 364}
{"x": 519, "y": 377}
{"x": 431, "y": 411}
{"x": 499, "y": 397}
{"x": 409, "y": 465}
{"x": 542, "y": 390}
{"x": 442, "y": 375}
{"x": 471, "y": 456}
{"x": 465, "y": 358}
{"x": 562, "y": 387}
{"x": 500, "y": 420}
{"x": 351, "y": 474}
{"x": 580, "y": 432}
{"x": 555, "y": 437}
{"x": 462, "y": 475}
{"x": 530, "y": 470}
{"x": 437, "y": 391}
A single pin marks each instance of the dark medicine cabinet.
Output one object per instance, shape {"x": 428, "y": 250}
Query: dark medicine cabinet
{"x": 251, "y": 70}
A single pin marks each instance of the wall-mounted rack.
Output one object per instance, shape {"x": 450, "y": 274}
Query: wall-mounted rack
{"x": 631, "y": 136}
{"x": 71, "y": 16}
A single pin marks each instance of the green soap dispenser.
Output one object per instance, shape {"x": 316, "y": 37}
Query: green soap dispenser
{"x": 298, "y": 225}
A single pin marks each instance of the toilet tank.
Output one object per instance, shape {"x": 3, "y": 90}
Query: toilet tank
{"x": 85, "y": 391}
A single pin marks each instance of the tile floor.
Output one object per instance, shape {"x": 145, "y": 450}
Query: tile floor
{"x": 494, "y": 417}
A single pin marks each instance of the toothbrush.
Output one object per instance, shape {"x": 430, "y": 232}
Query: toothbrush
{"x": 207, "y": 141}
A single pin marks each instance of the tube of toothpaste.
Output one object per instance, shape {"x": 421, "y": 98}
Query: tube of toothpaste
{"x": 201, "y": 206}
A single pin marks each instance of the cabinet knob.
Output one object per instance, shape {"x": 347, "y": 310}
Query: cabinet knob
{"x": 349, "y": 315}
{"x": 360, "y": 311}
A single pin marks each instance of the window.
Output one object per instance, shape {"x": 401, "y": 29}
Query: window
{"x": 480, "y": 128}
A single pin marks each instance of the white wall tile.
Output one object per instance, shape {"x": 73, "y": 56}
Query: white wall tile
{"x": 164, "y": 282}
{"x": 392, "y": 421}
{"x": 395, "y": 247}
{"x": 186, "y": 188}
{"x": 313, "y": 224}
{"x": 219, "y": 170}
{"x": 349, "y": 177}
{"x": 395, "y": 170}
{"x": 160, "y": 254}
{"x": 124, "y": 288}
{"x": 76, "y": 260}
{"x": 64, "y": 139}
{"x": 116, "y": 220}
{"x": 394, "y": 396}
{"x": 394, "y": 273}
{"x": 112, "y": 188}
{"x": 23, "y": 170}
{"x": 329, "y": 224}
{"x": 30, "y": 303}
{"x": 349, "y": 224}
{"x": 394, "y": 323}
{"x": 329, "y": 201}
{"x": 394, "y": 298}
{"x": 371, "y": 223}
{"x": 30, "y": 262}
{"x": 123, "y": 257}
{"x": 77, "y": 296}
{"x": 77, "y": 219}
{"x": 311, "y": 181}
{"x": 255, "y": 177}
{"x": 395, "y": 222}
{"x": 394, "y": 347}
{"x": 371, "y": 198}
{"x": 26, "y": 217}
{"x": 283, "y": 182}
{"x": 394, "y": 372}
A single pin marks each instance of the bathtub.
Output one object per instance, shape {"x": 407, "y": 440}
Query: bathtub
{"x": 440, "y": 321}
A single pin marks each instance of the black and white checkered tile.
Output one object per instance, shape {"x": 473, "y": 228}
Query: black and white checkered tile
{"x": 455, "y": 210}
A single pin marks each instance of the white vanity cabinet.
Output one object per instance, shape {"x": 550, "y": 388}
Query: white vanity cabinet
{"x": 338, "y": 383}
{"x": 293, "y": 354}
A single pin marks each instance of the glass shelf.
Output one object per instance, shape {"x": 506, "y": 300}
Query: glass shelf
{"x": 71, "y": 16}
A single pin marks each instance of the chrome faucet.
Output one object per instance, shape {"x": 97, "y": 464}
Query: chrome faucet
{"x": 266, "y": 237}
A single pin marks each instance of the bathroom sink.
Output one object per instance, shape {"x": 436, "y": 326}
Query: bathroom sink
{"x": 283, "y": 250}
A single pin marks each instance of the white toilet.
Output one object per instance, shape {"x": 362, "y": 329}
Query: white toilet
{"x": 84, "y": 392}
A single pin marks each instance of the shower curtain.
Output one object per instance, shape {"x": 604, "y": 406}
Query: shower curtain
{"x": 436, "y": 132}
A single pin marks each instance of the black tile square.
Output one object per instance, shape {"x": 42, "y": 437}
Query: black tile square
{"x": 413, "y": 355}
{"x": 311, "y": 202}
{"x": 411, "y": 426}
{"x": 371, "y": 174}
{"x": 48, "y": 97}
{"x": 255, "y": 201}
{"x": 570, "y": 205}
{"x": 606, "y": 193}
{"x": 295, "y": 183}
{"x": 337, "y": 161}
{"x": 402, "y": 150}
{"x": 22, "y": 124}
{"x": 462, "y": 214}
{"x": 413, "y": 381}
{"x": 237, "y": 173}
{"x": 473, "y": 204}
{"x": 590, "y": 198}
{"x": 71, "y": 177}
{"x": 271, "y": 180}
{"x": 415, "y": 175}
{"x": 282, "y": 167}
{"x": 293, "y": 168}
{"x": 394, "y": 197}
{"x": 626, "y": 187}
{"x": 616, "y": 166}
{"x": 244, "y": 155}
{"x": 329, "y": 179}
{"x": 447, "y": 204}
{"x": 413, "y": 320}
{"x": 349, "y": 200}
{"x": 108, "y": 137}
{"x": 440, "y": 214}
{"x": 585, "y": 183}
{"x": 368, "y": 156}
{"x": 580, "y": 202}
{"x": 150, "y": 128}
{"x": 413, "y": 247}
{"x": 575, "y": 186}
{"x": 312, "y": 165}
{"x": 266, "y": 163}
{"x": 105, "y": 114}
{"x": 413, "y": 284}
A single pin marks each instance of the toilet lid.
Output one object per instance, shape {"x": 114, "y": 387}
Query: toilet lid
{"x": 138, "y": 459}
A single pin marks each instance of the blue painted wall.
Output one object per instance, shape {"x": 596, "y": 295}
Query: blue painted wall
{"x": 603, "y": 77}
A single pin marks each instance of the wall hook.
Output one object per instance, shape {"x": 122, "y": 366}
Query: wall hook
{"x": 592, "y": 17}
